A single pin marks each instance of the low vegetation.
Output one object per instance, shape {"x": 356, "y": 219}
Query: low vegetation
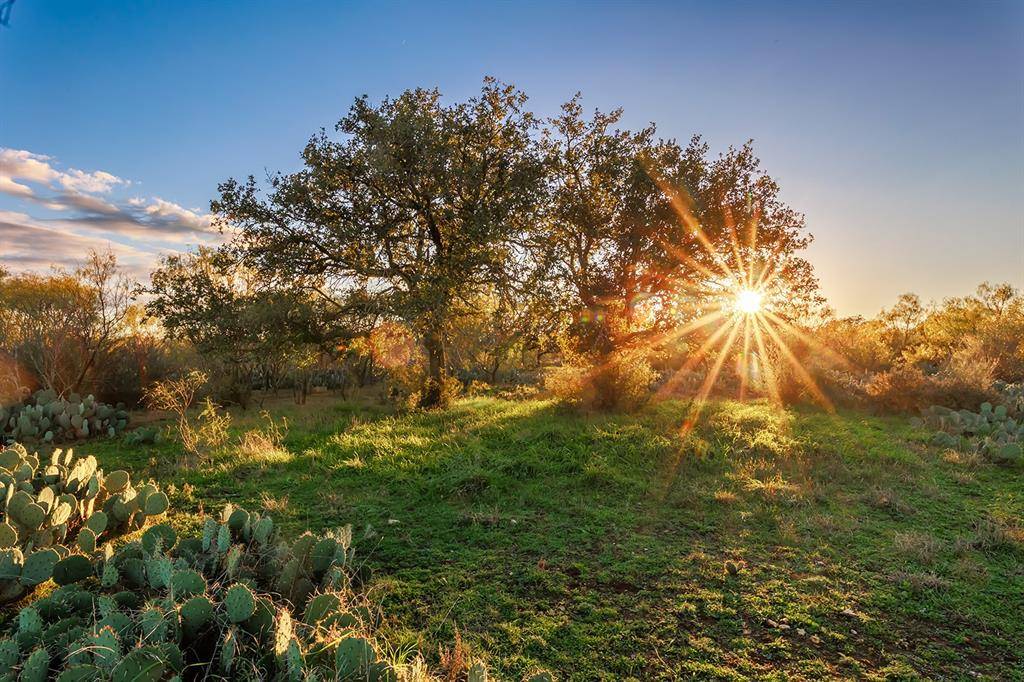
{"x": 770, "y": 541}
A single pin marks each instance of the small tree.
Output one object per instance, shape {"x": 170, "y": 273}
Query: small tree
{"x": 234, "y": 319}
{"x": 903, "y": 322}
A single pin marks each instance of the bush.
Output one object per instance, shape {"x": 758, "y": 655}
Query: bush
{"x": 198, "y": 433}
{"x": 519, "y": 392}
{"x": 908, "y": 389}
{"x": 264, "y": 440}
{"x": 622, "y": 381}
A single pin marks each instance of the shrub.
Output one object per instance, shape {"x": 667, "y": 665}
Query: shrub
{"x": 477, "y": 387}
{"x": 622, "y": 381}
{"x": 265, "y": 439}
{"x": 199, "y": 433}
{"x": 207, "y": 431}
{"x": 908, "y": 389}
{"x": 519, "y": 392}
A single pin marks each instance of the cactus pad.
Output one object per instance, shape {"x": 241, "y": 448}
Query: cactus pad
{"x": 187, "y": 583}
{"x": 38, "y": 567}
{"x": 73, "y": 569}
{"x": 353, "y": 657}
{"x": 239, "y": 603}
{"x": 156, "y": 503}
{"x": 145, "y": 664}
{"x": 195, "y": 614}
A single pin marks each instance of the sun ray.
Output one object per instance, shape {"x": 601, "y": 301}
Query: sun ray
{"x": 770, "y": 379}
{"x": 734, "y": 240}
{"x": 697, "y": 406}
{"x": 811, "y": 341}
{"x": 697, "y": 265}
{"x": 755, "y": 219}
{"x": 801, "y": 373}
{"x": 745, "y": 358}
{"x": 664, "y": 337}
{"x": 682, "y": 209}
{"x": 691, "y": 362}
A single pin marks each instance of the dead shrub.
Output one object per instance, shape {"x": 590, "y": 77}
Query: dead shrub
{"x": 198, "y": 433}
{"x": 921, "y": 547}
{"x": 993, "y": 533}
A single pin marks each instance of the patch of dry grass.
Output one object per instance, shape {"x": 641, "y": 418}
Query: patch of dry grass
{"x": 919, "y": 546}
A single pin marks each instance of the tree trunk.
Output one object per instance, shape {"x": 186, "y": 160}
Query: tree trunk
{"x": 437, "y": 364}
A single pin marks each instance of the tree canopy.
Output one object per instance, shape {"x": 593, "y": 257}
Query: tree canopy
{"x": 419, "y": 209}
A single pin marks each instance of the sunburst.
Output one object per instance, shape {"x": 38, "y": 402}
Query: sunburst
{"x": 744, "y": 290}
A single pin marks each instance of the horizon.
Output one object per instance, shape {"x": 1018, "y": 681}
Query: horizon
{"x": 896, "y": 129}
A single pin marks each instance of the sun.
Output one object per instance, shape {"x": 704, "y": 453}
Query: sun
{"x": 748, "y": 301}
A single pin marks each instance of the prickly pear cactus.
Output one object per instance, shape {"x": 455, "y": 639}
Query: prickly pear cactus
{"x": 44, "y": 416}
{"x": 169, "y": 605}
{"x": 54, "y": 509}
{"x": 993, "y": 432}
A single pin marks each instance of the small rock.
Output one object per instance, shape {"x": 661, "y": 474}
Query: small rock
{"x": 853, "y": 631}
{"x": 392, "y": 522}
{"x": 849, "y": 612}
{"x": 783, "y": 626}
{"x": 816, "y": 639}
{"x": 771, "y": 623}
{"x": 801, "y": 632}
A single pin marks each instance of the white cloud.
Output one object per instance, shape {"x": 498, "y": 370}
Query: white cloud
{"x": 9, "y": 186}
{"x": 98, "y": 181}
{"x": 171, "y": 212}
{"x": 19, "y": 164}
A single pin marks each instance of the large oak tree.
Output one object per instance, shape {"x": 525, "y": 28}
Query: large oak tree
{"x": 419, "y": 205}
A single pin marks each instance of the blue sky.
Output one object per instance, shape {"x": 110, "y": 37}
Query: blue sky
{"x": 898, "y": 128}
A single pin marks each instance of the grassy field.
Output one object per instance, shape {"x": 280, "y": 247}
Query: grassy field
{"x": 596, "y": 546}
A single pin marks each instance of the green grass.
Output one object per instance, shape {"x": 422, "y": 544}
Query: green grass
{"x": 594, "y": 546}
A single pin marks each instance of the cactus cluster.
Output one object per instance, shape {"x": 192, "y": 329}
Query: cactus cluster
{"x": 47, "y": 417}
{"x": 1012, "y": 396}
{"x": 992, "y": 432}
{"x": 52, "y": 508}
{"x": 144, "y": 435}
{"x": 235, "y": 602}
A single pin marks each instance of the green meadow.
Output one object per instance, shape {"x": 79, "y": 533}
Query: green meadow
{"x": 768, "y": 543}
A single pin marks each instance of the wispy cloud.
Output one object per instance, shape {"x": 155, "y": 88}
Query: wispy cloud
{"x": 67, "y": 211}
{"x": 27, "y": 244}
